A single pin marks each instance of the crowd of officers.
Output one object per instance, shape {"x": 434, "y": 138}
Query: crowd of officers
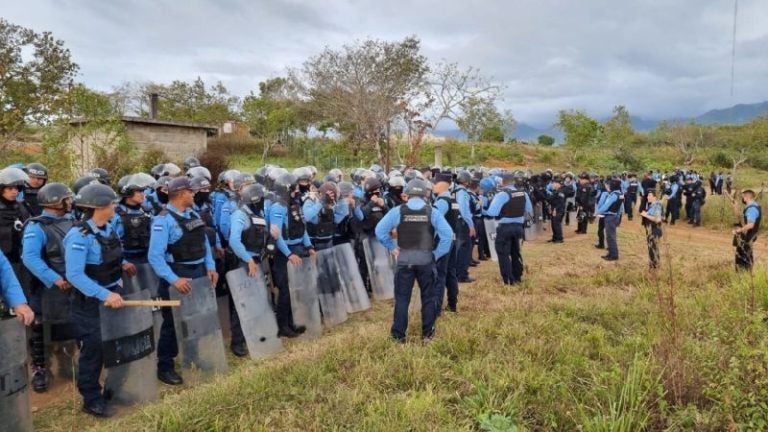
{"x": 81, "y": 241}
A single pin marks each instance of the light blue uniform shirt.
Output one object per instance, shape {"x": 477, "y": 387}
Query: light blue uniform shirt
{"x": 81, "y": 249}
{"x": 391, "y": 220}
{"x": 240, "y": 223}
{"x": 752, "y": 212}
{"x": 463, "y": 199}
{"x": 10, "y": 288}
{"x": 33, "y": 248}
{"x": 278, "y": 215}
{"x": 607, "y": 202}
{"x": 166, "y": 231}
{"x": 500, "y": 199}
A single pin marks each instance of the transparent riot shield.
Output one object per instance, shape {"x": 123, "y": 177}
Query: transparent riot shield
{"x": 128, "y": 344}
{"x": 198, "y": 329}
{"x": 330, "y": 292}
{"x": 146, "y": 278}
{"x": 351, "y": 281}
{"x": 257, "y": 319}
{"x": 490, "y": 232}
{"x": 380, "y": 271}
{"x": 14, "y": 386}
{"x": 302, "y": 283}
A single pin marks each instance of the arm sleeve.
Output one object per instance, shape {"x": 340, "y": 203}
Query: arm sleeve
{"x": 385, "y": 226}
{"x": 10, "y": 288}
{"x": 498, "y": 202}
{"x": 76, "y": 251}
{"x": 277, "y": 219}
{"x": 235, "y": 237}
{"x": 32, "y": 246}
{"x": 445, "y": 233}
{"x": 158, "y": 244}
{"x": 462, "y": 199}
{"x": 311, "y": 209}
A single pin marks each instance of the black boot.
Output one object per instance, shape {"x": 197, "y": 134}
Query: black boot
{"x": 39, "y": 379}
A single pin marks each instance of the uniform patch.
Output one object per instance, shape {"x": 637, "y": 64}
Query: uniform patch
{"x": 157, "y": 227}
{"x": 78, "y": 246}
{"x": 30, "y": 235}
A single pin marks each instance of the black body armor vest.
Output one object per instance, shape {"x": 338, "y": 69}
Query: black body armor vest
{"x": 111, "y": 268}
{"x": 191, "y": 245}
{"x": 55, "y": 231}
{"x": 254, "y": 238}
{"x": 415, "y": 231}
{"x": 136, "y": 228}
{"x": 515, "y": 205}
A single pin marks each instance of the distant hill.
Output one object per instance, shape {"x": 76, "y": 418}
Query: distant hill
{"x": 737, "y": 114}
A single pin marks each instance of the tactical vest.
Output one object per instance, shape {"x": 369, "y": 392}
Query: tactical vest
{"x": 752, "y": 233}
{"x": 296, "y": 228}
{"x": 515, "y": 205}
{"x": 110, "y": 270}
{"x": 474, "y": 209}
{"x": 254, "y": 238}
{"x": 452, "y": 215}
{"x": 191, "y": 245}
{"x": 373, "y": 218}
{"x": 614, "y": 208}
{"x": 30, "y": 202}
{"x": 415, "y": 231}
{"x": 55, "y": 230}
{"x": 210, "y": 226}
{"x": 11, "y": 217}
{"x": 325, "y": 227}
{"x": 136, "y": 228}
{"x": 632, "y": 188}
{"x": 648, "y": 184}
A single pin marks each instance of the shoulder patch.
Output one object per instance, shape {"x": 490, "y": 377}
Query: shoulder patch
{"x": 157, "y": 227}
{"x": 78, "y": 246}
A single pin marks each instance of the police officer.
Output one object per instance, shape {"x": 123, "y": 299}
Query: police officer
{"x": 446, "y": 279}
{"x": 510, "y": 206}
{"x": 248, "y": 239}
{"x": 288, "y": 229}
{"x": 101, "y": 175}
{"x": 487, "y": 189}
{"x": 38, "y": 176}
{"x": 697, "y": 197}
{"x": 131, "y": 221}
{"x": 610, "y": 211}
{"x": 416, "y": 224}
{"x": 178, "y": 252}
{"x": 647, "y": 183}
{"x": 557, "y": 205}
{"x": 672, "y": 193}
{"x": 11, "y": 295}
{"x": 94, "y": 266}
{"x": 321, "y": 215}
{"x": 630, "y": 195}
{"x": 394, "y": 196}
{"x": 191, "y": 162}
{"x": 652, "y": 221}
{"x": 746, "y": 234}
{"x": 585, "y": 203}
{"x": 465, "y": 228}
{"x": 43, "y": 256}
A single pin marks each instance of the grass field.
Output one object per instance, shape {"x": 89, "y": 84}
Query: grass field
{"x": 581, "y": 345}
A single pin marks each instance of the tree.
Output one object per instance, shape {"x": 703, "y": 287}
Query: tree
{"x": 482, "y": 121}
{"x": 580, "y": 129}
{"x": 618, "y": 129}
{"x": 36, "y": 70}
{"x": 546, "y": 140}
{"x": 361, "y": 88}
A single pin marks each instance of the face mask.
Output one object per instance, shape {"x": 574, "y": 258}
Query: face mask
{"x": 201, "y": 198}
{"x": 162, "y": 197}
{"x": 303, "y": 188}
{"x": 396, "y": 191}
{"x": 256, "y": 208}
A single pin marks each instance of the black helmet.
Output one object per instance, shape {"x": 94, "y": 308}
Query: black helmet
{"x": 101, "y": 174}
{"x": 242, "y": 179}
{"x": 397, "y": 181}
{"x": 170, "y": 170}
{"x": 284, "y": 185}
{"x": 157, "y": 171}
{"x": 199, "y": 183}
{"x": 346, "y": 188}
{"x": 53, "y": 194}
{"x": 131, "y": 183}
{"x": 191, "y": 162}
{"x": 328, "y": 192}
{"x": 261, "y": 175}
{"x": 95, "y": 196}
{"x": 13, "y": 176}
{"x": 418, "y": 188}
{"x": 252, "y": 194}
{"x": 162, "y": 182}
{"x": 303, "y": 174}
{"x": 37, "y": 170}
{"x": 199, "y": 171}
{"x": 82, "y": 182}
{"x": 463, "y": 177}
{"x": 371, "y": 184}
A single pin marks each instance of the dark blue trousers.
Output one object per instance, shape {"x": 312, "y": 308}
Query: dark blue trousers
{"x": 405, "y": 276}
{"x": 463, "y": 250}
{"x": 446, "y": 280}
{"x": 611, "y": 222}
{"x": 85, "y": 317}
{"x": 280, "y": 279}
{"x": 508, "y": 237}
{"x": 167, "y": 346}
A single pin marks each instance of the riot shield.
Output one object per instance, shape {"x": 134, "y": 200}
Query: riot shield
{"x": 331, "y": 296}
{"x": 257, "y": 319}
{"x": 530, "y": 232}
{"x": 56, "y": 305}
{"x": 380, "y": 271}
{"x": 351, "y": 281}
{"x": 490, "y": 232}
{"x": 146, "y": 278}
{"x": 127, "y": 340}
{"x": 302, "y": 283}
{"x": 14, "y": 389}
{"x": 198, "y": 329}
{"x": 538, "y": 218}
{"x": 570, "y": 205}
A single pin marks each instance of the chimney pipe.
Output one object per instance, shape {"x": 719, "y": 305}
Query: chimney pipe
{"x": 153, "y": 98}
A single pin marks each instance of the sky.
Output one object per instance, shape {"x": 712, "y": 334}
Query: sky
{"x": 659, "y": 58}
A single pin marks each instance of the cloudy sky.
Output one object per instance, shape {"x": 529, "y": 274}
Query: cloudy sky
{"x": 660, "y": 58}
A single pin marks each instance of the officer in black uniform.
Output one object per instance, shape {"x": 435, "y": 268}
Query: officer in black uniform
{"x": 647, "y": 183}
{"x": 585, "y": 203}
{"x": 556, "y": 201}
{"x": 38, "y": 176}
{"x": 630, "y": 195}
{"x": 94, "y": 266}
{"x": 510, "y": 206}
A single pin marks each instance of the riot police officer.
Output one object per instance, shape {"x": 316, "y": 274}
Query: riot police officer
{"x": 178, "y": 252}
{"x": 288, "y": 229}
{"x": 131, "y": 221}
{"x": 94, "y": 266}
{"x": 630, "y": 195}
{"x": 510, "y": 206}
{"x": 416, "y": 224}
{"x": 446, "y": 279}
{"x": 465, "y": 228}
{"x": 746, "y": 234}
{"x": 38, "y": 176}
{"x": 610, "y": 211}
{"x": 585, "y": 202}
{"x": 12, "y": 214}
{"x": 557, "y": 205}
{"x": 43, "y": 256}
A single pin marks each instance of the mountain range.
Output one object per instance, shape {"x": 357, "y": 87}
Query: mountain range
{"x": 737, "y": 114}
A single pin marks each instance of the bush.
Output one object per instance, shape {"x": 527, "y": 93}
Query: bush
{"x": 720, "y": 159}
{"x": 546, "y": 157}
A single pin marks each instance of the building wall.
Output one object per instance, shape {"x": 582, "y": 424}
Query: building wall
{"x": 176, "y": 142}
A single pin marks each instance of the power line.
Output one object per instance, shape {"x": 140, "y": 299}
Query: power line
{"x": 733, "y": 46}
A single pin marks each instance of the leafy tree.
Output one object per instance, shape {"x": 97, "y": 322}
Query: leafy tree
{"x": 618, "y": 131}
{"x": 580, "y": 129}
{"x": 546, "y": 140}
{"x": 36, "y": 71}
